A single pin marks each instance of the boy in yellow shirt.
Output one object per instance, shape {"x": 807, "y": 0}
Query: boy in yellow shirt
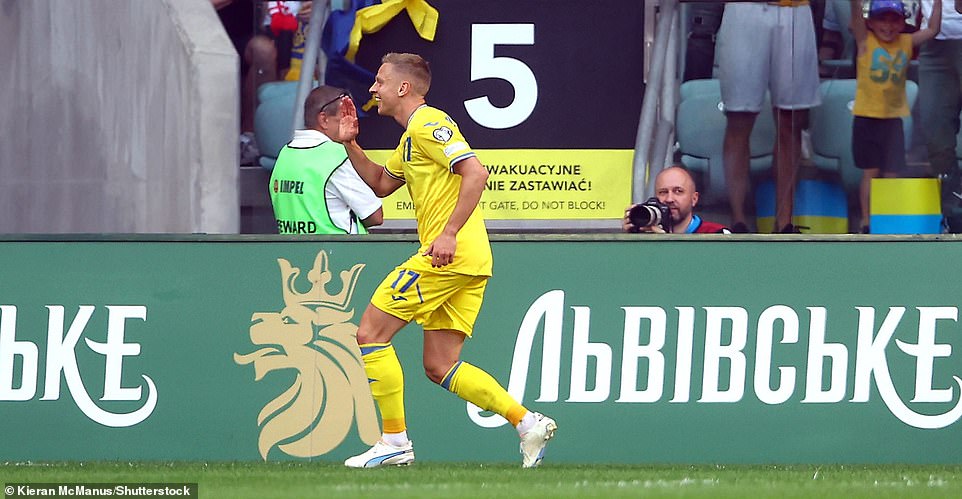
{"x": 882, "y": 61}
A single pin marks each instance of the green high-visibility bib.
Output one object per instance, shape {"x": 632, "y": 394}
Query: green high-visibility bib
{"x": 297, "y": 186}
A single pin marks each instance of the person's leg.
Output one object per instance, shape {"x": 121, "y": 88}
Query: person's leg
{"x": 940, "y": 99}
{"x": 794, "y": 89}
{"x": 442, "y": 365}
{"x": 386, "y": 380}
{"x": 736, "y": 155}
{"x": 444, "y": 334}
{"x": 744, "y": 59}
{"x": 374, "y": 335}
{"x": 788, "y": 146}
{"x": 866, "y": 156}
{"x": 865, "y": 188}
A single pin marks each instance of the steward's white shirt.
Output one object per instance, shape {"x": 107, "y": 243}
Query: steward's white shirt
{"x": 346, "y": 192}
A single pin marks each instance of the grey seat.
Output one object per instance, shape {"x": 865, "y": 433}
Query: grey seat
{"x": 273, "y": 118}
{"x": 700, "y": 131}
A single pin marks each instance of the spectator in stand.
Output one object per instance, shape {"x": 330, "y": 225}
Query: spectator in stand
{"x": 675, "y": 188}
{"x": 258, "y": 61}
{"x": 884, "y": 51}
{"x": 766, "y": 46}
{"x": 940, "y": 102}
{"x": 836, "y": 43}
{"x": 704, "y": 19}
{"x": 286, "y": 23}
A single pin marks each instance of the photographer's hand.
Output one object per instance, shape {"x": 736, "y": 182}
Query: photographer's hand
{"x": 626, "y": 225}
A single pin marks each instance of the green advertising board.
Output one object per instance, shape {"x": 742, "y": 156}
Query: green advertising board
{"x": 645, "y": 349}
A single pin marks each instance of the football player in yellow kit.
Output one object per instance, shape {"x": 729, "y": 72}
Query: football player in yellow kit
{"x": 441, "y": 286}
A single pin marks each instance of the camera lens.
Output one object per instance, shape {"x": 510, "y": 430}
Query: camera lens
{"x": 644, "y": 216}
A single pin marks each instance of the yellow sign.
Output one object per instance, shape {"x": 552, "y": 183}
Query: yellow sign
{"x": 542, "y": 184}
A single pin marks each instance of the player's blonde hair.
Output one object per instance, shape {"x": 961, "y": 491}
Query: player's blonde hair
{"x": 416, "y": 70}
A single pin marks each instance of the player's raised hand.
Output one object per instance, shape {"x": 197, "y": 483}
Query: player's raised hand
{"x": 347, "y": 129}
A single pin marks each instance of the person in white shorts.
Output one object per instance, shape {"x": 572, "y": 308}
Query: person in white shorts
{"x": 766, "y": 46}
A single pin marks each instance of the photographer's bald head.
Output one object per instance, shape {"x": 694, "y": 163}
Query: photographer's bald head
{"x": 675, "y": 191}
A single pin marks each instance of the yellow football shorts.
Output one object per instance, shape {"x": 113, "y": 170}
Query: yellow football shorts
{"x": 435, "y": 300}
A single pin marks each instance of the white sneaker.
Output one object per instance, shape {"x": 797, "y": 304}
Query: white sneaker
{"x": 383, "y": 454}
{"x": 535, "y": 440}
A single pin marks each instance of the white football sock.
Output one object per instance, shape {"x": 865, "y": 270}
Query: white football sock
{"x": 527, "y": 422}
{"x": 395, "y": 439}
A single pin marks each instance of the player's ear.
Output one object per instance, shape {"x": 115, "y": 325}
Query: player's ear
{"x": 404, "y": 88}
{"x": 694, "y": 199}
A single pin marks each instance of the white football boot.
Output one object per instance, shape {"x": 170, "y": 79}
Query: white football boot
{"x": 535, "y": 440}
{"x": 383, "y": 454}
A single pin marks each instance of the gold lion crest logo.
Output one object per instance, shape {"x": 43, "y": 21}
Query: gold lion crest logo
{"x": 314, "y": 337}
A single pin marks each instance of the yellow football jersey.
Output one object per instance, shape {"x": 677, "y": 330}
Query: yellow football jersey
{"x": 424, "y": 159}
{"x": 880, "y": 78}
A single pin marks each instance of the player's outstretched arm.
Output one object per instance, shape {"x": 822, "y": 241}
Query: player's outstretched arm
{"x": 372, "y": 173}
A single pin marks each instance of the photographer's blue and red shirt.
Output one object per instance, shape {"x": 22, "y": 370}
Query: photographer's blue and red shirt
{"x": 699, "y": 226}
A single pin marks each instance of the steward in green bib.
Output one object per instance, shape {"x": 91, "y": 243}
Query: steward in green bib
{"x": 314, "y": 188}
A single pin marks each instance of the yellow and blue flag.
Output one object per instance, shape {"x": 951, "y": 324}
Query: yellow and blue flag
{"x": 905, "y": 206}
{"x": 345, "y": 29}
{"x": 820, "y": 205}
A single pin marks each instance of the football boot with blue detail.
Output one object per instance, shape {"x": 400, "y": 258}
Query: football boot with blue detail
{"x": 383, "y": 454}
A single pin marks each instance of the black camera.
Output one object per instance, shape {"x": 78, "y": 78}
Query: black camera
{"x": 650, "y": 213}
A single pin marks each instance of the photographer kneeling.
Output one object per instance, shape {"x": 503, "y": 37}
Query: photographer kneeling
{"x": 671, "y": 210}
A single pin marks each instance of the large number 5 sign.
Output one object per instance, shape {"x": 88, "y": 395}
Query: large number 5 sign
{"x": 484, "y": 37}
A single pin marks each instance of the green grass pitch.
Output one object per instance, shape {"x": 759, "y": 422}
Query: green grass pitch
{"x": 503, "y": 481}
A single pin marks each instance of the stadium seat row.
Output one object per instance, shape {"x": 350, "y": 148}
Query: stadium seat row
{"x": 700, "y": 129}
{"x": 700, "y": 125}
